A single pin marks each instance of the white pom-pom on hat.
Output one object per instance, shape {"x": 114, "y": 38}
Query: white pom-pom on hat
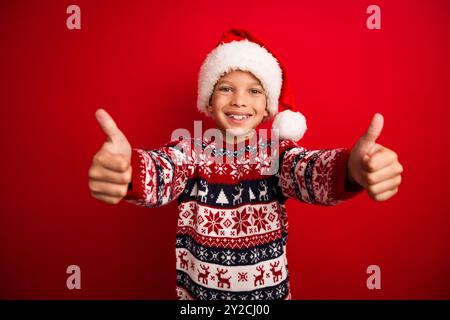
{"x": 291, "y": 125}
{"x": 238, "y": 49}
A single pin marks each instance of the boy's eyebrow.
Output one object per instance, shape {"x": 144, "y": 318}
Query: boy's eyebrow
{"x": 223, "y": 81}
{"x": 252, "y": 84}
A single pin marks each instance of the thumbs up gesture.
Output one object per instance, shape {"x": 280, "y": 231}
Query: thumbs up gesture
{"x": 110, "y": 172}
{"x": 374, "y": 166}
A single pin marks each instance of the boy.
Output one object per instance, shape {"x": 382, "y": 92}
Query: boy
{"x": 232, "y": 224}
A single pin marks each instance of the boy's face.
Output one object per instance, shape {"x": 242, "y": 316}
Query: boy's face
{"x": 238, "y": 102}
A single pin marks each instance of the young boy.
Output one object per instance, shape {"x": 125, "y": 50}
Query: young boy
{"x": 232, "y": 222}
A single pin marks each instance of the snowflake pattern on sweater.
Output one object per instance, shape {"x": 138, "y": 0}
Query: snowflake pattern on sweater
{"x": 232, "y": 221}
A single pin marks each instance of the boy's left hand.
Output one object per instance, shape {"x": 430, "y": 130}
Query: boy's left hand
{"x": 373, "y": 166}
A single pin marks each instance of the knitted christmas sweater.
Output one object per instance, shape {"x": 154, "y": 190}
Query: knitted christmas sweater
{"x": 232, "y": 223}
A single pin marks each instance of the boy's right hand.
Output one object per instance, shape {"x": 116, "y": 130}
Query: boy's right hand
{"x": 110, "y": 172}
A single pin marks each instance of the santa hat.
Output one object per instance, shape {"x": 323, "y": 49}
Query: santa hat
{"x": 240, "y": 50}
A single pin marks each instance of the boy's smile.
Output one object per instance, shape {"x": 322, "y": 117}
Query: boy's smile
{"x": 238, "y": 103}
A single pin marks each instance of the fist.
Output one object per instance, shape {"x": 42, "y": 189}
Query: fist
{"x": 110, "y": 172}
{"x": 374, "y": 166}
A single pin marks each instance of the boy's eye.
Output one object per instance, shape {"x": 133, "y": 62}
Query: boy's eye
{"x": 256, "y": 91}
{"x": 225, "y": 89}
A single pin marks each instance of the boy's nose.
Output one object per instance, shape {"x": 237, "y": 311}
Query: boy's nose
{"x": 238, "y": 99}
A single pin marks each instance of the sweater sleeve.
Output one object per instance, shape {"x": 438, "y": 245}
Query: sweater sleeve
{"x": 315, "y": 176}
{"x": 159, "y": 176}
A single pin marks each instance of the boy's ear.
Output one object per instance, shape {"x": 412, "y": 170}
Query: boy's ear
{"x": 210, "y": 108}
{"x": 266, "y": 116}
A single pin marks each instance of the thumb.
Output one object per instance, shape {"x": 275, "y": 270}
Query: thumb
{"x": 113, "y": 133}
{"x": 374, "y": 130}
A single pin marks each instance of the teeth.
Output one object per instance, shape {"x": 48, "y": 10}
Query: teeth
{"x": 238, "y": 117}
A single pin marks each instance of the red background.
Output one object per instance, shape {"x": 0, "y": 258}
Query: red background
{"x": 139, "y": 60}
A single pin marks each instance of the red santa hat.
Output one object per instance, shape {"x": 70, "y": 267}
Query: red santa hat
{"x": 240, "y": 50}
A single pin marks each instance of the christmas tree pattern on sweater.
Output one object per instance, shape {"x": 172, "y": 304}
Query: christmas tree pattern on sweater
{"x": 232, "y": 221}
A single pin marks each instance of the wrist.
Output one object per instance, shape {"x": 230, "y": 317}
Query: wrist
{"x": 350, "y": 183}
{"x": 349, "y": 177}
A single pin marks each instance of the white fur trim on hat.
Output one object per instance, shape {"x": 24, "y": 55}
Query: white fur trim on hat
{"x": 291, "y": 125}
{"x": 241, "y": 55}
